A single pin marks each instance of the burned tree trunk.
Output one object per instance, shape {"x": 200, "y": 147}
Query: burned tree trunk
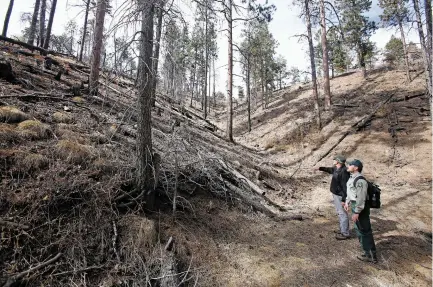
{"x": 32, "y": 32}
{"x": 248, "y": 92}
{"x": 229, "y": 131}
{"x": 326, "y": 85}
{"x": 156, "y": 53}
{"x": 425, "y": 53}
{"x": 313, "y": 64}
{"x": 97, "y": 46}
{"x": 7, "y": 17}
{"x": 403, "y": 40}
{"x": 428, "y": 20}
{"x": 83, "y": 38}
{"x": 50, "y": 24}
{"x": 144, "y": 129}
{"x": 42, "y": 23}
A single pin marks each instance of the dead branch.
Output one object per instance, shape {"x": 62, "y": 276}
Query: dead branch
{"x": 409, "y": 97}
{"x": 18, "y": 276}
{"x": 14, "y": 224}
{"x": 256, "y": 189}
{"x": 249, "y": 200}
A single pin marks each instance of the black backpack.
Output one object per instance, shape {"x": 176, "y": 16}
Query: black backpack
{"x": 373, "y": 193}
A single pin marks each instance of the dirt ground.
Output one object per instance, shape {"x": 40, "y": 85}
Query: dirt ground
{"x": 244, "y": 249}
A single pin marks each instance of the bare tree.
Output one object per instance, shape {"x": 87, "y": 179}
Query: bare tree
{"x": 144, "y": 129}
{"x": 95, "y": 60}
{"x": 206, "y": 58}
{"x": 428, "y": 20}
{"x": 42, "y": 22}
{"x": 33, "y": 23}
{"x": 83, "y": 37}
{"x": 7, "y": 17}
{"x": 50, "y": 24}
{"x": 312, "y": 63}
{"x": 229, "y": 18}
{"x": 427, "y": 65}
{"x": 157, "y": 45}
{"x": 326, "y": 84}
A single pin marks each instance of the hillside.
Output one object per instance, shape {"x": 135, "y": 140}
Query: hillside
{"x": 250, "y": 213}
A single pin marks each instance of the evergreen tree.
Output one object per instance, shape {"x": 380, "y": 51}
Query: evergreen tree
{"x": 396, "y": 14}
{"x": 357, "y": 27}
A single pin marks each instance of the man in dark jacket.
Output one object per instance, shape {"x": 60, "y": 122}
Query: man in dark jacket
{"x": 340, "y": 176}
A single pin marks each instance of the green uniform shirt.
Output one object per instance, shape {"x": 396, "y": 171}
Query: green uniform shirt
{"x": 357, "y": 193}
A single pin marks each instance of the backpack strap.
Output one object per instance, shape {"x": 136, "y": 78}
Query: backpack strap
{"x": 358, "y": 178}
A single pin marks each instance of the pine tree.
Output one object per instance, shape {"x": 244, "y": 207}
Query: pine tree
{"x": 396, "y": 14}
{"x": 356, "y": 27}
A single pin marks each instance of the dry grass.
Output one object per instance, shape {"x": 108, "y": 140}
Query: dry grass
{"x": 74, "y": 152}
{"x": 78, "y": 100}
{"x": 33, "y": 129}
{"x": 31, "y": 162}
{"x": 60, "y": 117}
{"x": 65, "y": 132}
{"x": 9, "y": 114}
{"x": 8, "y": 133}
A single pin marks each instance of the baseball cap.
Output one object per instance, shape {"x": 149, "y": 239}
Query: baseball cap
{"x": 355, "y": 162}
{"x": 340, "y": 158}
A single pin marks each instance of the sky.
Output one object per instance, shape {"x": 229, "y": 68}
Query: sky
{"x": 284, "y": 26}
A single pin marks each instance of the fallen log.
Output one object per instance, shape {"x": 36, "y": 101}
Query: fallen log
{"x": 30, "y": 47}
{"x": 409, "y": 97}
{"x": 256, "y": 189}
{"x": 250, "y": 200}
{"x": 345, "y": 106}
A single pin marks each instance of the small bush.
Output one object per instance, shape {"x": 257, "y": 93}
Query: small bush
{"x": 32, "y": 129}
{"x": 8, "y": 133}
{"x": 74, "y": 152}
{"x": 60, "y": 117}
{"x": 31, "y": 162}
{"x": 78, "y": 100}
{"x": 9, "y": 114}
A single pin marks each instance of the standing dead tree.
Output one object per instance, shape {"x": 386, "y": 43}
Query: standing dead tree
{"x": 83, "y": 37}
{"x": 42, "y": 23}
{"x": 7, "y": 18}
{"x": 32, "y": 32}
{"x": 50, "y": 24}
{"x": 97, "y": 46}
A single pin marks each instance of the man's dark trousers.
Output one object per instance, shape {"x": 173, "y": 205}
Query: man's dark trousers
{"x": 363, "y": 230}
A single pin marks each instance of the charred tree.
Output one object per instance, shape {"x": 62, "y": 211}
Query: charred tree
{"x": 157, "y": 46}
{"x": 7, "y": 17}
{"x": 144, "y": 130}
{"x": 83, "y": 37}
{"x": 97, "y": 46}
{"x": 34, "y": 22}
{"x": 42, "y": 23}
{"x": 312, "y": 63}
{"x": 229, "y": 131}
{"x": 50, "y": 24}
{"x": 326, "y": 84}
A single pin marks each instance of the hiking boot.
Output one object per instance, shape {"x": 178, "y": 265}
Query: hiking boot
{"x": 340, "y": 236}
{"x": 368, "y": 258}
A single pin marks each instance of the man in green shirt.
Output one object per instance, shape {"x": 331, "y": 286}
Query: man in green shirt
{"x": 356, "y": 200}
